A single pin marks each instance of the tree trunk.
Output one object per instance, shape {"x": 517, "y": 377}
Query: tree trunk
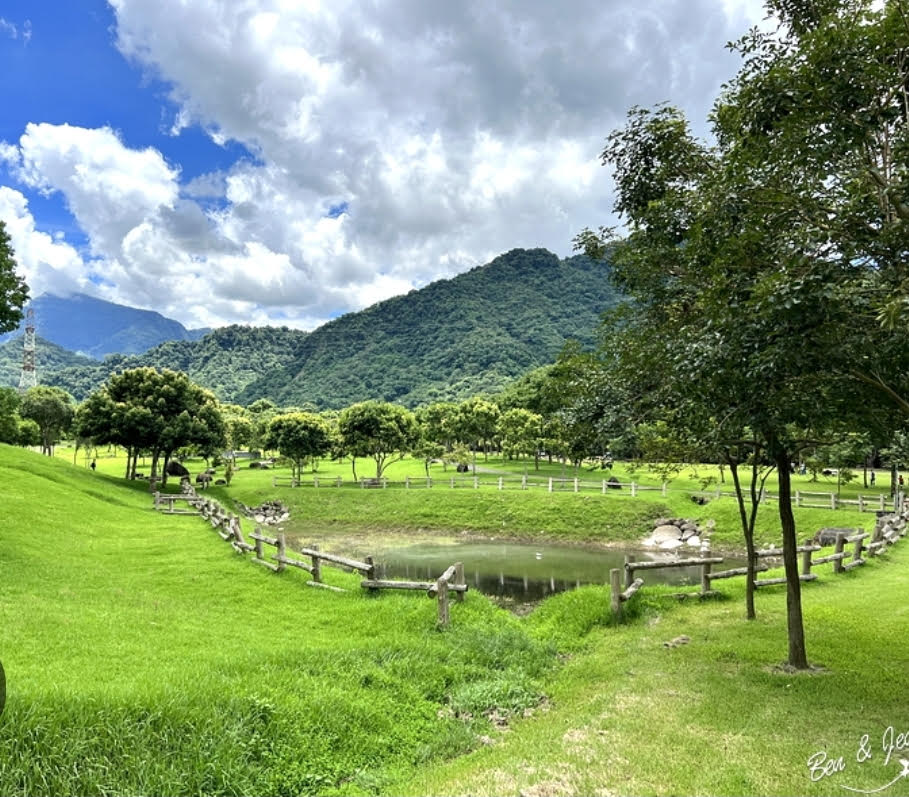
{"x": 798, "y": 657}
{"x": 748, "y": 532}
{"x": 353, "y": 466}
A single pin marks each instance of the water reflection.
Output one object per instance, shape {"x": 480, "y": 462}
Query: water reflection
{"x": 526, "y": 572}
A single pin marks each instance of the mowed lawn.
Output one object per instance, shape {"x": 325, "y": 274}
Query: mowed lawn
{"x": 143, "y": 656}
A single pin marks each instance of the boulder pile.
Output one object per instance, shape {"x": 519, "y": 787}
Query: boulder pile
{"x": 269, "y": 512}
{"x": 670, "y": 533}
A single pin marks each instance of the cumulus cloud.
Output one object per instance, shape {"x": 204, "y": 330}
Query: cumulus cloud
{"x": 46, "y": 261}
{"x": 393, "y": 143}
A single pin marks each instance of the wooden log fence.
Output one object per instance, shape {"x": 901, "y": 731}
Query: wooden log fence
{"x": 802, "y": 498}
{"x": 888, "y": 530}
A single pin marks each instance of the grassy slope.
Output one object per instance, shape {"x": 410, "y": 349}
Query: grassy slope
{"x": 143, "y": 656}
{"x": 625, "y": 714}
{"x": 630, "y": 716}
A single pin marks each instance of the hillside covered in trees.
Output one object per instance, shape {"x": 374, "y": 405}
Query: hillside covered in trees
{"x": 452, "y": 339}
{"x": 455, "y": 338}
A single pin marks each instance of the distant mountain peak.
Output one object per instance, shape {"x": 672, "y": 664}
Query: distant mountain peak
{"x": 96, "y": 327}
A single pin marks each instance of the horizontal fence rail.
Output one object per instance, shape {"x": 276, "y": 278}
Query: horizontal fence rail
{"x": 801, "y": 498}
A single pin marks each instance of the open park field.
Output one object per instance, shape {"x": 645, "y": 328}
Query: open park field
{"x": 143, "y": 656}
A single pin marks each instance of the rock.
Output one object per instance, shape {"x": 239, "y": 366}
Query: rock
{"x": 668, "y": 545}
{"x": 663, "y": 521}
{"x": 827, "y": 536}
{"x": 259, "y": 518}
{"x": 220, "y": 481}
{"x": 175, "y": 468}
{"x": 662, "y": 533}
{"x": 694, "y": 541}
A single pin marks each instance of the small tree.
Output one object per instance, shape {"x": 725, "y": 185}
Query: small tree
{"x": 520, "y": 431}
{"x": 9, "y": 417}
{"x": 52, "y": 409}
{"x": 299, "y": 436}
{"x": 386, "y": 432}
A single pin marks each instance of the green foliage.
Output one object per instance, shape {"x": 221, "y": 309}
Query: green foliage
{"x": 144, "y": 409}
{"x": 13, "y": 290}
{"x": 52, "y": 409}
{"x": 377, "y": 429}
{"x": 9, "y": 416}
{"x": 50, "y": 359}
{"x": 299, "y": 436}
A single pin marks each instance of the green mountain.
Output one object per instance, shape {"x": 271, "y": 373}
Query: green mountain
{"x": 455, "y": 338}
{"x": 225, "y": 360}
{"x": 96, "y": 328}
{"x": 50, "y": 359}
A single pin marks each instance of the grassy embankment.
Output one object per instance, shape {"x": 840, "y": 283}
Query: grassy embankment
{"x": 587, "y": 516}
{"x": 144, "y": 657}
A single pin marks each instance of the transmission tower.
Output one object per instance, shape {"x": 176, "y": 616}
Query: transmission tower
{"x": 29, "y": 377}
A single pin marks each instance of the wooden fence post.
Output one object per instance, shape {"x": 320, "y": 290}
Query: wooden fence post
{"x": 604, "y": 487}
{"x": 442, "y": 591}
{"x": 615, "y": 589}
{"x": 798, "y": 498}
{"x": 428, "y": 482}
{"x": 157, "y": 498}
{"x": 459, "y": 581}
{"x": 259, "y": 552}
{"x": 634, "y": 489}
{"x": 663, "y": 489}
{"x": 315, "y": 481}
{"x": 524, "y": 482}
{"x": 452, "y": 483}
{"x": 629, "y": 574}
{"x": 282, "y": 548}
{"x": 407, "y": 482}
{"x": 719, "y": 492}
{"x": 371, "y": 573}
{"x": 861, "y": 504}
{"x": 705, "y": 578}
{"x": 881, "y": 497}
{"x": 316, "y": 566}
{"x": 575, "y": 483}
{"x": 550, "y": 484}
{"x": 857, "y": 551}
{"x": 500, "y": 482}
{"x": 833, "y": 500}
{"x": 806, "y": 558}
{"x": 476, "y": 482}
{"x": 838, "y": 549}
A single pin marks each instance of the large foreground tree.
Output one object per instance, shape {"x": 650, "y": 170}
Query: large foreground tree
{"x": 13, "y": 290}
{"x": 754, "y": 315}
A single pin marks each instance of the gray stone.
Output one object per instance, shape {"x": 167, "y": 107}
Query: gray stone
{"x": 175, "y": 468}
{"x": 827, "y": 536}
{"x": 667, "y": 532}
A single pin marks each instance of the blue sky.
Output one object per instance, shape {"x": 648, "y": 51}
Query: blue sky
{"x": 258, "y": 160}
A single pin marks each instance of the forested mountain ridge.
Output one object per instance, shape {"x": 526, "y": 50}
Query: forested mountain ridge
{"x": 455, "y": 338}
{"x": 51, "y": 359}
{"x": 225, "y": 360}
{"x": 95, "y": 327}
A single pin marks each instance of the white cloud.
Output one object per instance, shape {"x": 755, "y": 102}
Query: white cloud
{"x": 46, "y": 261}
{"x": 448, "y": 131}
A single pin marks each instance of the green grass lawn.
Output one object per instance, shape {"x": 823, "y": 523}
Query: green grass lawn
{"x": 586, "y": 516}
{"x": 144, "y": 656}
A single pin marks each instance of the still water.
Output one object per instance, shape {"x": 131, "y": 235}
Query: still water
{"x": 529, "y": 571}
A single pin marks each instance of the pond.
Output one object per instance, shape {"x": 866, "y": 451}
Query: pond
{"x": 528, "y": 572}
